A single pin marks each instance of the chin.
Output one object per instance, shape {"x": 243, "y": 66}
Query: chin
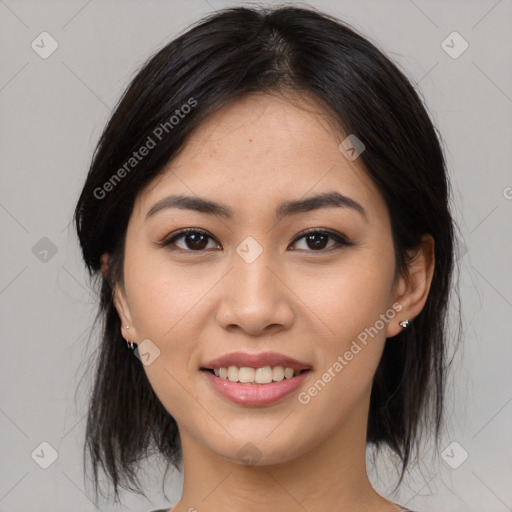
{"x": 261, "y": 449}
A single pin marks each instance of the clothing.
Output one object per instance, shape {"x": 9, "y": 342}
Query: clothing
{"x": 167, "y": 510}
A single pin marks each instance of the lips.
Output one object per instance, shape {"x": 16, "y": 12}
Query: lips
{"x": 252, "y": 393}
{"x": 244, "y": 359}
{"x": 255, "y": 394}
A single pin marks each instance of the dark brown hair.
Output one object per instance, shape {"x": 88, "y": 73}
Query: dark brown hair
{"x": 231, "y": 53}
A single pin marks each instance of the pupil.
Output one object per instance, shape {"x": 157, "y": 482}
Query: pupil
{"x": 316, "y": 245}
{"x": 197, "y": 243}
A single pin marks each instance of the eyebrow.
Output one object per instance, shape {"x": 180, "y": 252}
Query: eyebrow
{"x": 285, "y": 209}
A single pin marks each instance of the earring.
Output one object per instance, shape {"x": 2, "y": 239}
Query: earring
{"x": 127, "y": 326}
{"x": 404, "y": 323}
{"x": 130, "y": 344}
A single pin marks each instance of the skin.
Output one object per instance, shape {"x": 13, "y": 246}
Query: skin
{"x": 294, "y": 299}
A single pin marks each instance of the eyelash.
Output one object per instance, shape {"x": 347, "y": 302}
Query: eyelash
{"x": 337, "y": 237}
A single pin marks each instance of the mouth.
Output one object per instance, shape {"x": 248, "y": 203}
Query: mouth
{"x": 255, "y": 379}
{"x": 262, "y": 368}
{"x": 255, "y": 376}
{"x": 255, "y": 387}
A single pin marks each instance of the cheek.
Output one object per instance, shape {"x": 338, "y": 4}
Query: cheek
{"x": 354, "y": 294}
{"x": 164, "y": 303}
{"x": 162, "y": 296}
{"x": 357, "y": 308}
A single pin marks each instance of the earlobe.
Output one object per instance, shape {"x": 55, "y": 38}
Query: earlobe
{"x": 412, "y": 289}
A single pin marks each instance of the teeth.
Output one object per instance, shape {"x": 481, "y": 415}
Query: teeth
{"x": 288, "y": 373}
{"x": 233, "y": 373}
{"x": 246, "y": 374}
{"x": 264, "y": 375}
{"x": 278, "y": 373}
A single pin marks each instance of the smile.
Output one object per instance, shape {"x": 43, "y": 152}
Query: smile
{"x": 262, "y": 375}
{"x": 253, "y": 393}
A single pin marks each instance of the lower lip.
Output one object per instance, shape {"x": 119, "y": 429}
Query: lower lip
{"x": 256, "y": 394}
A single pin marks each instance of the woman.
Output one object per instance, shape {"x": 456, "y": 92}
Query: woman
{"x": 267, "y": 215}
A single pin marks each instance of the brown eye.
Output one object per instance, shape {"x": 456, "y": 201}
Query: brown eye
{"x": 193, "y": 240}
{"x": 316, "y": 240}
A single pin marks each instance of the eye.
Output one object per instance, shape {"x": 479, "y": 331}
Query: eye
{"x": 196, "y": 240}
{"x": 316, "y": 239}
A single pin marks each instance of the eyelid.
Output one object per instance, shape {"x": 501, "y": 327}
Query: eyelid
{"x": 338, "y": 237}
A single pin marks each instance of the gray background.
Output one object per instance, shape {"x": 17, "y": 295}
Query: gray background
{"x": 53, "y": 111}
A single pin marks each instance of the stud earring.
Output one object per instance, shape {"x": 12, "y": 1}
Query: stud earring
{"x": 127, "y": 326}
{"x": 404, "y": 323}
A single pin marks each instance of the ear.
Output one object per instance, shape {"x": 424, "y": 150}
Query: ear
{"x": 120, "y": 303}
{"x": 411, "y": 290}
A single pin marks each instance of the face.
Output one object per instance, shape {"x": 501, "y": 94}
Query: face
{"x": 249, "y": 278}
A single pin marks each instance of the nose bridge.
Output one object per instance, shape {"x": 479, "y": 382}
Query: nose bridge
{"x": 255, "y": 297}
{"x": 252, "y": 276}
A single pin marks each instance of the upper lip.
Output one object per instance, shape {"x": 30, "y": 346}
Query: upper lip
{"x": 255, "y": 361}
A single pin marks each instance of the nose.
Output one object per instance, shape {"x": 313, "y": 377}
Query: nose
{"x": 255, "y": 298}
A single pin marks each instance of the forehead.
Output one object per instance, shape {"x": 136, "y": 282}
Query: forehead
{"x": 261, "y": 148}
